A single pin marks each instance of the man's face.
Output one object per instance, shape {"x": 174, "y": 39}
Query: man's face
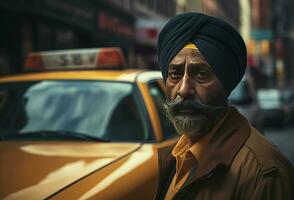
{"x": 196, "y": 98}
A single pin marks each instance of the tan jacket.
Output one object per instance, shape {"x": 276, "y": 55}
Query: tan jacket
{"x": 239, "y": 164}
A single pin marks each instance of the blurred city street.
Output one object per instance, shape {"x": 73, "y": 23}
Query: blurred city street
{"x": 84, "y": 95}
{"x": 283, "y": 138}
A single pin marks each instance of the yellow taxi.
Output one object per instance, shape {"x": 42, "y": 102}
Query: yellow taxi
{"x": 81, "y": 133}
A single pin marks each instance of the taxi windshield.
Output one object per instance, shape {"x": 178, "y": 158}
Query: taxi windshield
{"x": 101, "y": 109}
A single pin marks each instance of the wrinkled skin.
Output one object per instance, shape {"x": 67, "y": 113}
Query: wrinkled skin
{"x": 196, "y": 98}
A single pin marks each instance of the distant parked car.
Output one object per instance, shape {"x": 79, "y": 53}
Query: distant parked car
{"x": 243, "y": 97}
{"x": 277, "y": 105}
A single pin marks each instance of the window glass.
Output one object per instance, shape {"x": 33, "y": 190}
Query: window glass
{"x": 103, "y": 109}
{"x": 241, "y": 94}
{"x": 159, "y": 98}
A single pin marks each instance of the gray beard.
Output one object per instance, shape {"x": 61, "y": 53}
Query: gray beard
{"x": 193, "y": 125}
{"x": 190, "y": 125}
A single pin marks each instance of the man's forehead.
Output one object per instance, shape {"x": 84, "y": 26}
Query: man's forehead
{"x": 190, "y": 55}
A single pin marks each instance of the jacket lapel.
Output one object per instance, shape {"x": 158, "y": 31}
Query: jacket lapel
{"x": 167, "y": 169}
{"x": 222, "y": 147}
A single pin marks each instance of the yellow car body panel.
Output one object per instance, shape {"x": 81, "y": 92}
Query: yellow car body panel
{"x": 137, "y": 171}
{"x": 151, "y": 111}
{"x": 82, "y": 170}
{"x": 65, "y": 163}
{"x": 116, "y": 75}
{"x": 130, "y": 178}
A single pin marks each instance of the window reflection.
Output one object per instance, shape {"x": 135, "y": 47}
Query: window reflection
{"x": 100, "y": 108}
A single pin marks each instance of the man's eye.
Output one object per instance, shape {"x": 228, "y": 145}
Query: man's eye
{"x": 202, "y": 75}
{"x": 175, "y": 74}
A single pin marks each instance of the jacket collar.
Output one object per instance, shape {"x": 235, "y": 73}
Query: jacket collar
{"x": 224, "y": 144}
{"x": 220, "y": 151}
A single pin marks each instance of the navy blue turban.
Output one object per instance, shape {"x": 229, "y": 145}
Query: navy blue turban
{"x": 220, "y": 44}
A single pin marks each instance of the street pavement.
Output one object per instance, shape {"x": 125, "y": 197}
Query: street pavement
{"x": 283, "y": 138}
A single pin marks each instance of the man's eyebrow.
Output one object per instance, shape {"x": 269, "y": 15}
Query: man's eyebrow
{"x": 175, "y": 65}
{"x": 199, "y": 64}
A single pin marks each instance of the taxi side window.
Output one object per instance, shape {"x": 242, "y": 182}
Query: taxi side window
{"x": 125, "y": 122}
{"x": 159, "y": 98}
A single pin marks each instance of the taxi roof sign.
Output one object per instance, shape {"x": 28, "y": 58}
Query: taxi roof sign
{"x": 94, "y": 58}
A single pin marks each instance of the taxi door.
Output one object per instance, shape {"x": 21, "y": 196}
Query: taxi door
{"x": 153, "y": 91}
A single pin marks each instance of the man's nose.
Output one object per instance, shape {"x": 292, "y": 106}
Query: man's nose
{"x": 187, "y": 89}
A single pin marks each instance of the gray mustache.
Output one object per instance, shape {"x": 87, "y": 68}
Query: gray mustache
{"x": 174, "y": 107}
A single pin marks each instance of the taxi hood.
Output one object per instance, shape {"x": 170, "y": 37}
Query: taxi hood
{"x": 36, "y": 170}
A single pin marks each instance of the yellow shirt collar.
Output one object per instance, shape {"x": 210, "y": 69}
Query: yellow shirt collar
{"x": 182, "y": 146}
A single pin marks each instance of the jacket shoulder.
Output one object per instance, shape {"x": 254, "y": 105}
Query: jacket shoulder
{"x": 266, "y": 154}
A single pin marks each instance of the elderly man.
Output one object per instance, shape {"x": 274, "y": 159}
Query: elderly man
{"x": 219, "y": 154}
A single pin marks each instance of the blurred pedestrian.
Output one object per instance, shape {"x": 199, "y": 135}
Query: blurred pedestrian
{"x": 219, "y": 154}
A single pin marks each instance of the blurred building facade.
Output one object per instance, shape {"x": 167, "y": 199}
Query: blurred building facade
{"x": 282, "y": 19}
{"x": 151, "y": 15}
{"x": 271, "y": 44}
{"x": 267, "y": 27}
{"x": 37, "y": 25}
{"x": 225, "y": 9}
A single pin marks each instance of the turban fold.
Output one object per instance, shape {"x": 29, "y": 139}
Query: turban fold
{"x": 220, "y": 44}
